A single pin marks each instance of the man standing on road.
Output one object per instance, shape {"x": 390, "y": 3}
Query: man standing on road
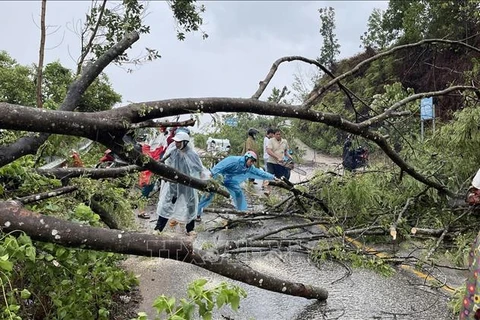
{"x": 267, "y": 137}
{"x": 251, "y": 145}
{"x": 277, "y": 150}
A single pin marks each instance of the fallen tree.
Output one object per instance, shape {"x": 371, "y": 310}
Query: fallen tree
{"x": 14, "y": 218}
{"x": 113, "y": 128}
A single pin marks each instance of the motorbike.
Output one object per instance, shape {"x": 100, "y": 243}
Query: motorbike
{"x": 110, "y": 160}
{"x": 354, "y": 158}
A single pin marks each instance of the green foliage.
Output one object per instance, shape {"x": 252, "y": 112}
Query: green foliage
{"x": 357, "y": 259}
{"x": 330, "y": 47}
{"x": 201, "y": 297}
{"x": 106, "y": 25}
{"x": 64, "y": 283}
{"x": 456, "y": 302}
{"x": 459, "y": 253}
{"x": 116, "y": 196}
{"x": 16, "y": 82}
{"x": 17, "y": 86}
{"x": 414, "y": 20}
{"x": 17, "y": 180}
{"x": 458, "y": 141}
{"x": 98, "y": 97}
{"x": 48, "y": 281}
{"x": 376, "y": 36}
{"x": 188, "y": 16}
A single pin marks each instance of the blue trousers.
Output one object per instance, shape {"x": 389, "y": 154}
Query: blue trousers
{"x": 236, "y": 193}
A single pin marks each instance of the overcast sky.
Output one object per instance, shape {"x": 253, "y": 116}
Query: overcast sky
{"x": 245, "y": 38}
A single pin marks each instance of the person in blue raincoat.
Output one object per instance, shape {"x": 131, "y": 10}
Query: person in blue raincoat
{"x": 235, "y": 170}
{"x": 177, "y": 201}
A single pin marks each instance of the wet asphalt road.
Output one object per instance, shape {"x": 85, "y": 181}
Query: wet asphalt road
{"x": 363, "y": 294}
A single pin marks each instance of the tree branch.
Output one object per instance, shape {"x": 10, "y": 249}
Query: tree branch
{"x": 391, "y": 110}
{"x": 13, "y": 217}
{"x": 88, "y": 47}
{"x": 41, "y": 54}
{"x": 108, "y": 125}
{"x": 263, "y": 84}
{"x": 229, "y": 245}
{"x": 30, "y": 144}
{"x": 45, "y": 228}
{"x": 321, "y": 90}
{"x": 62, "y": 173}
{"x": 155, "y": 124}
{"x": 46, "y": 195}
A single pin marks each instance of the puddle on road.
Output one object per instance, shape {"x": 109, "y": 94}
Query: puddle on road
{"x": 363, "y": 295}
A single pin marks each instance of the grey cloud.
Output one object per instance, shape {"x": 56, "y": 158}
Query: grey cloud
{"x": 245, "y": 39}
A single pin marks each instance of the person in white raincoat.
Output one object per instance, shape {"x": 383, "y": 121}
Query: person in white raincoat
{"x": 177, "y": 201}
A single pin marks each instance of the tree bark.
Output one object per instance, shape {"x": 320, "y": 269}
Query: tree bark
{"x": 62, "y": 173}
{"x": 13, "y": 217}
{"x": 241, "y": 272}
{"x": 30, "y": 144}
{"x": 115, "y": 122}
{"x": 41, "y": 54}
{"x": 105, "y": 216}
{"x": 46, "y": 195}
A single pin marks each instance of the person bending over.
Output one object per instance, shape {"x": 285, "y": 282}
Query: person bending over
{"x": 235, "y": 170}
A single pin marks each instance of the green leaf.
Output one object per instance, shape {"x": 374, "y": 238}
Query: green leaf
{"x": 200, "y": 282}
{"x": 171, "y": 303}
{"x": 221, "y": 299}
{"x": 6, "y": 265}
{"x": 30, "y": 252}
{"x": 207, "y": 315}
{"x": 160, "y": 303}
{"x": 24, "y": 239}
{"x": 60, "y": 251}
{"x": 188, "y": 309}
{"x": 25, "y": 294}
{"x": 14, "y": 307}
{"x": 234, "y": 301}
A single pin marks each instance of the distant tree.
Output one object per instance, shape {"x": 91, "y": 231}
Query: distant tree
{"x": 16, "y": 82}
{"x": 376, "y": 37}
{"x": 413, "y": 20}
{"x": 331, "y": 47}
{"x": 107, "y": 23}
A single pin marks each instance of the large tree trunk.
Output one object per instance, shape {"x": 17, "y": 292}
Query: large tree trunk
{"x": 13, "y": 217}
{"x": 30, "y": 144}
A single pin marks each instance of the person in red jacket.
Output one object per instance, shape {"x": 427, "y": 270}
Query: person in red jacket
{"x": 154, "y": 149}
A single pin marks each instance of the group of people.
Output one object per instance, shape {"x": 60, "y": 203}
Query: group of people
{"x": 180, "y": 203}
